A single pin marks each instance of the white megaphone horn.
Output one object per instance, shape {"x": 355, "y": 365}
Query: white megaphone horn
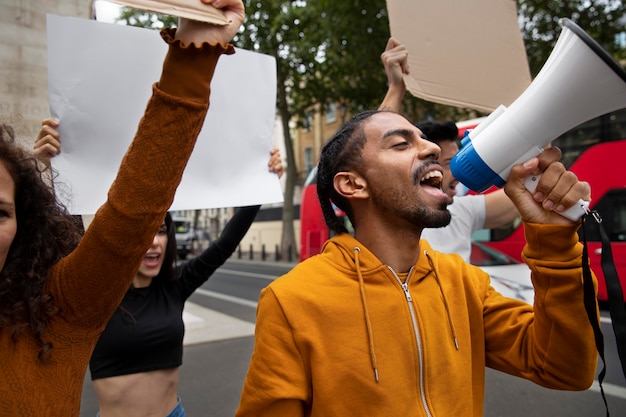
{"x": 578, "y": 82}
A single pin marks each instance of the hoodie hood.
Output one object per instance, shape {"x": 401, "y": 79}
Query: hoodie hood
{"x": 340, "y": 251}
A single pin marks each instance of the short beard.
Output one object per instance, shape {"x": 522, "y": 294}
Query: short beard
{"x": 418, "y": 215}
{"x": 432, "y": 219}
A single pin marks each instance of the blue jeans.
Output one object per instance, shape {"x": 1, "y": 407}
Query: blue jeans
{"x": 177, "y": 411}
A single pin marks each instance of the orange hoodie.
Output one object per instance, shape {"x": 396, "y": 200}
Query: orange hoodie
{"x": 344, "y": 335}
{"x": 89, "y": 284}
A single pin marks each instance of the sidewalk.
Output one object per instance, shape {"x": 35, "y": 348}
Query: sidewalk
{"x": 205, "y": 325}
{"x": 258, "y": 261}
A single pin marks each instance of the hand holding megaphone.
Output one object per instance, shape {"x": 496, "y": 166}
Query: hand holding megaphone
{"x": 555, "y": 193}
{"x": 578, "y": 82}
{"x": 575, "y": 212}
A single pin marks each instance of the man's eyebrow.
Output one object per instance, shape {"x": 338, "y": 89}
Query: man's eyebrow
{"x": 406, "y": 133}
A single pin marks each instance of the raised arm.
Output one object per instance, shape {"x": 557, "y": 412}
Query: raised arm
{"x": 199, "y": 269}
{"x": 499, "y": 210}
{"x": 395, "y": 60}
{"x": 557, "y": 349}
{"x": 92, "y": 280}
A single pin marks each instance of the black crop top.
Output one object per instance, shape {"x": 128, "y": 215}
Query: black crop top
{"x": 146, "y": 332}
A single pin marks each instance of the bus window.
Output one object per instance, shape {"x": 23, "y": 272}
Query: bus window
{"x": 612, "y": 209}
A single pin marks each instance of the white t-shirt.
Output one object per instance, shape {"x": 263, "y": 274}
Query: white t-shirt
{"x": 468, "y": 215}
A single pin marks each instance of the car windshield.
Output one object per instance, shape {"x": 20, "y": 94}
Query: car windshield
{"x": 483, "y": 255}
{"x": 182, "y": 227}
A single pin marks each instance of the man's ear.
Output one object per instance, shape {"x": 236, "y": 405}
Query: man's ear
{"x": 350, "y": 185}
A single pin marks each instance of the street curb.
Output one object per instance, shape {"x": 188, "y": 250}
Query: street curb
{"x": 235, "y": 259}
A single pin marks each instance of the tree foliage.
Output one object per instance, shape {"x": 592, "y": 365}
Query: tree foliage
{"x": 349, "y": 37}
{"x": 326, "y": 50}
{"x": 143, "y": 19}
{"x": 329, "y": 51}
{"x": 540, "y": 26}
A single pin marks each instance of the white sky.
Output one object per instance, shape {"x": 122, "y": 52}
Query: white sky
{"x": 107, "y": 11}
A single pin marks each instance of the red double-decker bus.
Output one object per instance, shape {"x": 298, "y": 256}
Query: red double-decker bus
{"x": 594, "y": 151}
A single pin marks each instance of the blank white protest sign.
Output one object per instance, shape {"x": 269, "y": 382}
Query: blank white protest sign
{"x": 100, "y": 78}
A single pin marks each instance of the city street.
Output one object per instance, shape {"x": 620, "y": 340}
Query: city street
{"x": 218, "y": 344}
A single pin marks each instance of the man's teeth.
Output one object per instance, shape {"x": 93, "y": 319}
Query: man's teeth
{"x": 432, "y": 178}
{"x": 432, "y": 174}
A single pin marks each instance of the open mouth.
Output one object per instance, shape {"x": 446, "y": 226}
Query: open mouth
{"x": 151, "y": 260}
{"x": 432, "y": 179}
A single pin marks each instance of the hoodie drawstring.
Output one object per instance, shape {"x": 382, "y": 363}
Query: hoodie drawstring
{"x": 368, "y": 323}
{"x": 445, "y": 301}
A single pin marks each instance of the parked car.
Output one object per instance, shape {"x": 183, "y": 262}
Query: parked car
{"x": 185, "y": 236}
{"x": 509, "y": 277}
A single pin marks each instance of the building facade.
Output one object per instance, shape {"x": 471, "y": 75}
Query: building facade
{"x": 318, "y": 127}
{"x": 23, "y": 61}
{"x": 24, "y": 103}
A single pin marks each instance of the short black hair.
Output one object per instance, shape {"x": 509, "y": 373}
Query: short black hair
{"x": 438, "y": 131}
{"x": 341, "y": 152}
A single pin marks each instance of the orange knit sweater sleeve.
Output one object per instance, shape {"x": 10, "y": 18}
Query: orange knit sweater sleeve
{"x": 89, "y": 284}
{"x": 92, "y": 280}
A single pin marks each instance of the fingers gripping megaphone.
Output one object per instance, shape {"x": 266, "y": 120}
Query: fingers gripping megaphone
{"x": 578, "y": 82}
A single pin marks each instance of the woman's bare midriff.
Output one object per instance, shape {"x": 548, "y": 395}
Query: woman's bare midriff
{"x": 146, "y": 394}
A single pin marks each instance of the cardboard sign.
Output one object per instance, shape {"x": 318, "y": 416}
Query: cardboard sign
{"x": 467, "y": 54}
{"x": 190, "y": 9}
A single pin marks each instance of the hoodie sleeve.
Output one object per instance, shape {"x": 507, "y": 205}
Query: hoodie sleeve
{"x": 274, "y": 388}
{"x": 552, "y": 344}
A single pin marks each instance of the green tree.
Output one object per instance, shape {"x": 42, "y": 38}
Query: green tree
{"x": 323, "y": 52}
{"x": 144, "y": 19}
{"x": 328, "y": 51}
{"x": 271, "y": 27}
{"x": 602, "y": 19}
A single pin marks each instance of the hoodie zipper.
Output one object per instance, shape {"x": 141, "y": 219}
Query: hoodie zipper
{"x": 418, "y": 338}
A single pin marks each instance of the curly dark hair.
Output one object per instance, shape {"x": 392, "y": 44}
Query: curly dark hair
{"x": 342, "y": 152}
{"x": 46, "y": 232}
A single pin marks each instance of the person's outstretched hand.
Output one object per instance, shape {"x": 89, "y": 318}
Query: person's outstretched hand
{"x": 396, "y": 62}
{"x": 275, "y": 163}
{"x": 199, "y": 32}
{"x": 48, "y": 142}
{"x": 557, "y": 190}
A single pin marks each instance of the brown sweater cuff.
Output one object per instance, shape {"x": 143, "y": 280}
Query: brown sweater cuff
{"x": 187, "y": 69}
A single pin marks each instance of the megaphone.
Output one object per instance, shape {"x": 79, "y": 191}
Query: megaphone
{"x": 578, "y": 82}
